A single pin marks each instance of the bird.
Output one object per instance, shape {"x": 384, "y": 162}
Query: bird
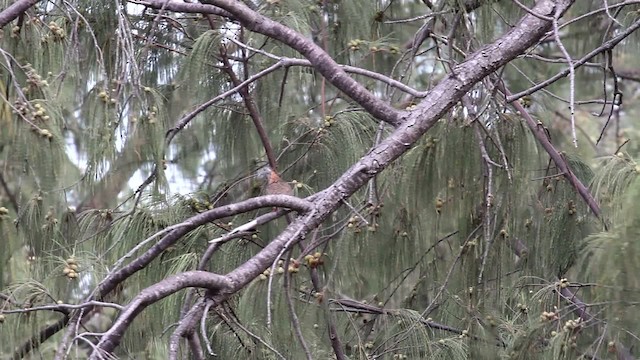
{"x": 275, "y": 184}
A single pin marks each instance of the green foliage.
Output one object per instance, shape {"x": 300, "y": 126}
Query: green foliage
{"x": 458, "y": 250}
{"x": 615, "y": 253}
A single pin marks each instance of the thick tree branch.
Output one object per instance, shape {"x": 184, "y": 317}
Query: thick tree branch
{"x": 186, "y": 329}
{"x": 63, "y": 308}
{"x": 416, "y": 123}
{"x": 193, "y": 8}
{"x": 40, "y": 337}
{"x": 194, "y": 344}
{"x": 214, "y": 282}
{"x": 192, "y": 223}
{"x": 320, "y": 60}
{"x": 14, "y": 10}
{"x": 112, "y": 280}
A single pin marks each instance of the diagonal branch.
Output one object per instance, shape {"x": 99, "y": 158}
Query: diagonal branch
{"x": 44, "y": 334}
{"x": 412, "y": 127}
{"x": 252, "y": 107}
{"x": 580, "y": 309}
{"x": 177, "y": 231}
{"x": 186, "y": 329}
{"x": 14, "y": 10}
{"x": 558, "y": 159}
{"x": 320, "y": 60}
{"x": 283, "y": 62}
{"x": 155, "y": 293}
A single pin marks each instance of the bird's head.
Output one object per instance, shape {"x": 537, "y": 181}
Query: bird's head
{"x": 264, "y": 173}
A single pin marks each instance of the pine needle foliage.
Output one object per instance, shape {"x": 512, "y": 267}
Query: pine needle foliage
{"x": 460, "y": 249}
{"x": 615, "y": 251}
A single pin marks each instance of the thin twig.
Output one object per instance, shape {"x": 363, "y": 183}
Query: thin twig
{"x": 203, "y": 327}
{"x": 254, "y": 112}
{"x": 572, "y": 75}
{"x": 185, "y": 328}
{"x": 295, "y": 322}
{"x": 610, "y": 44}
{"x": 285, "y": 248}
{"x": 559, "y": 160}
{"x": 489, "y": 199}
{"x": 64, "y": 307}
{"x": 237, "y": 323}
{"x": 416, "y": 18}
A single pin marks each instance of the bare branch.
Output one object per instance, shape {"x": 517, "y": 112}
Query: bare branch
{"x": 558, "y": 159}
{"x": 179, "y": 230}
{"x": 63, "y": 308}
{"x": 254, "y": 112}
{"x": 44, "y": 334}
{"x": 194, "y": 345}
{"x": 417, "y": 122}
{"x": 222, "y": 212}
{"x": 214, "y": 282}
{"x": 318, "y": 57}
{"x": 14, "y": 10}
{"x": 186, "y": 329}
{"x": 295, "y": 322}
{"x": 608, "y": 45}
